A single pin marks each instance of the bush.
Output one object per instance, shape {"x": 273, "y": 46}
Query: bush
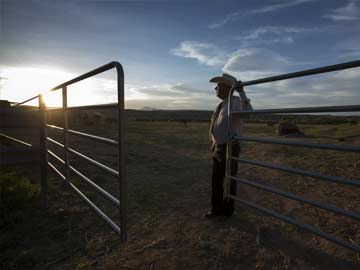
{"x": 16, "y": 193}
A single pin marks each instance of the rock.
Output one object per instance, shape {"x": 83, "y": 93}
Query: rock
{"x": 92, "y": 117}
{"x": 5, "y": 104}
{"x": 285, "y": 128}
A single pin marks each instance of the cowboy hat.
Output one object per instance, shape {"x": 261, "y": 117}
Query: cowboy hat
{"x": 225, "y": 79}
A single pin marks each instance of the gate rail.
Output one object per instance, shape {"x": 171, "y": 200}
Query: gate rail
{"x": 45, "y": 152}
{"x": 347, "y": 148}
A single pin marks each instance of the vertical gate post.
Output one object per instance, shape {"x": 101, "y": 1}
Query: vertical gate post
{"x": 121, "y": 153}
{"x": 66, "y": 134}
{"x": 43, "y": 152}
{"x": 227, "y": 180}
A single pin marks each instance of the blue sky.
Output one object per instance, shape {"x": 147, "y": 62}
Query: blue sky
{"x": 170, "y": 49}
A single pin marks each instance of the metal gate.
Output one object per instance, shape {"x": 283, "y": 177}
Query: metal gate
{"x": 120, "y": 174}
{"x": 346, "y": 148}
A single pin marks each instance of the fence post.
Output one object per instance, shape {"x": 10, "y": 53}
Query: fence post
{"x": 121, "y": 154}
{"x": 43, "y": 152}
{"x": 66, "y": 134}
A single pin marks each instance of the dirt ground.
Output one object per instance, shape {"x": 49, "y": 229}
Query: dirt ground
{"x": 169, "y": 170}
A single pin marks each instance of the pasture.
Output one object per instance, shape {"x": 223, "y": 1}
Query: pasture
{"x": 169, "y": 173}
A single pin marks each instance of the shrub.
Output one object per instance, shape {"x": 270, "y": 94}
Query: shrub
{"x": 16, "y": 193}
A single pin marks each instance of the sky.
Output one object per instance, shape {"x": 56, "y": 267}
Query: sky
{"x": 170, "y": 49}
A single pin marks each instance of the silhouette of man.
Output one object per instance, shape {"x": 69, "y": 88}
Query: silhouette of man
{"x": 218, "y": 140}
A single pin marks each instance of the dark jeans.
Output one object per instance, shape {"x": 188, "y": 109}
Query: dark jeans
{"x": 218, "y": 204}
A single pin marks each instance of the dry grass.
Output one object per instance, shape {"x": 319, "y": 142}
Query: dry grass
{"x": 169, "y": 170}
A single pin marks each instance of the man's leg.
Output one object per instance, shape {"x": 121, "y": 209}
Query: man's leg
{"x": 216, "y": 188}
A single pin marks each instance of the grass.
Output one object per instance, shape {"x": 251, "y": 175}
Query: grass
{"x": 169, "y": 170}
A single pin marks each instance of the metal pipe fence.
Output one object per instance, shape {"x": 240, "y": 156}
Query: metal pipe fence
{"x": 69, "y": 170}
{"x": 253, "y": 183}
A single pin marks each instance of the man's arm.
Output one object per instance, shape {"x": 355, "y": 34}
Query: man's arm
{"x": 245, "y": 104}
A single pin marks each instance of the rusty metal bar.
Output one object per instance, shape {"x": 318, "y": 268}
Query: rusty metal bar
{"x": 43, "y": 152}
{"x": 299, "y": 224}
{"x": 335, "y": 179}
{"x": 82, "y": 134}
{"x": 292, "y": 196}
{"x": 97, "y": 210}
{"x": 346, "y": 148}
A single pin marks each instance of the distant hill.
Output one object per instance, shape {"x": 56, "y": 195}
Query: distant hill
{"x": 149, "y": 109}
{"x": 153, "y": 114}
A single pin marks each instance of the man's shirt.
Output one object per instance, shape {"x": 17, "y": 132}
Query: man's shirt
{"x": 220, "y": 121}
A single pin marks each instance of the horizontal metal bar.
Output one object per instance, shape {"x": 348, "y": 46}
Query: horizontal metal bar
{"x": 54, "y": 127}
{"x": 87, "y": 180}
{"x": 54, "y": 142}
{"x": 292, "y": 196}
{"x": 56, "y": 156}
{"x": 15, "y": 140}
{"x": 94, "y": 162}
{"x": 339, "y": 180}
{"x": 103, "y": 192}
{"x": 96, "y": 138}
{"x": 303, "y": 73}
{"x": 87, "y": 75}
{"x": 88, "y": 107}
{"x": 299, "y": 224}
{"x": 97, "y": 210}
{"x": 25, "y": 101}
{"x": 91, "y": 73}
{"x": 347, "y": 108}
{"x": 346, "y": 148}
{"x": 56, "y": 171}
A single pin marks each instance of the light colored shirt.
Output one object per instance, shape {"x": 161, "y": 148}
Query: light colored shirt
{"x": 219, "y": 130}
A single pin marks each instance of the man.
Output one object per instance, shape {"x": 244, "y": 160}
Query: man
{"x": 218, "y": 140}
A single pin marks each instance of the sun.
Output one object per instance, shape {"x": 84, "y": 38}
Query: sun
{"x": 23, "y": 83}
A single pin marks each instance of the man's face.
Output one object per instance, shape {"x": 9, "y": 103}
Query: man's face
{"x": 222, "y": 90}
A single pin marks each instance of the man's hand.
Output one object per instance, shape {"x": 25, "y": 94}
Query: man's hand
{"x": 239, "y": 87}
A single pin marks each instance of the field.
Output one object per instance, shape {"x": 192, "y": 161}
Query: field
{"x": 169, "y": 170}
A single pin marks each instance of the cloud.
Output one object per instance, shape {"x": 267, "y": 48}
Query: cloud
{"x": 246, "y": 62}
{"x": 265, "y": 9}
{"x": 350, "y": 12}
{"x": 168, "y": 96}
{"x": 274, "y": 30}
{"x": 272, "y": 34}
{"x": 227, "y": 19}
{"x": 251, "y": 63}
{"x": 205, "y": 53}
{"x": 276, "y": 7}
{"x": 336, "y": 88}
